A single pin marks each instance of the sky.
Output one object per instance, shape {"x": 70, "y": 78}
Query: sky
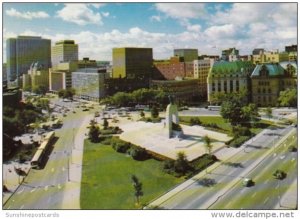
{"x": 209, "y": 27}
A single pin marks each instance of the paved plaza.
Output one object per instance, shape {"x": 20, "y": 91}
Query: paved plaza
{"x": 154, "y": 137}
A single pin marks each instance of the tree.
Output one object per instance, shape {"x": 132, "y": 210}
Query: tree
{"x": 70, "y": 92}
{"x": 231, "y": 110}
{"x": 154, "y": 112}
{"x": 105, "y": 123}
{"x": 288, "y": 98}
{"x": 217, "y": 98}
{"x": 40, "y": 89}
{"x": 250, "y": 113}
{"x": 61, "y": 93}
{"x": 121, "y": 99}
{"x": 94, "y": 133}
{"x": 27, "y": 88}
{"x": 142, "y": 114}
{"x": 181, "y": 164}
{"x": 269, "y": 112}
{"x": 137, "y": 185}
{"x": 208, "y": 144}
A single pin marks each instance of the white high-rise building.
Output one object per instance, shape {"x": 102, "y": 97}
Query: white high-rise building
{"x": 64, "y": 51}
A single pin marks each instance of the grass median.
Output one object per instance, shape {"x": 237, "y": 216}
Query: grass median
{"x": 106, "y": 178}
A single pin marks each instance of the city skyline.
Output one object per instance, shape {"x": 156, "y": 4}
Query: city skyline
{"x": 209, "y": 27}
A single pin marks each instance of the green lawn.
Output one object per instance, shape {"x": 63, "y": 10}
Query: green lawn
{"x": 106, "y": 179}
{"x": 223, "y": 125}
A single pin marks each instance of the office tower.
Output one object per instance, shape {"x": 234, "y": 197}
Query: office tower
{"x": 188, "y": 55}
{"x": 22, "y": 51}
{"x": 132, "y": 63}
{"x": 64, "y": 51}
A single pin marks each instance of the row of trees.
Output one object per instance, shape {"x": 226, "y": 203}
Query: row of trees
{"x": 287, "y": 98}
{"x": 37, "y": 89}
{"x": 141, "y": 96}
{"x": 15, "y": 122}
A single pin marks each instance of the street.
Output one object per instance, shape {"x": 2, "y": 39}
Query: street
{"x": 267, "y": 191}
{"x": 44, "y": 188}
{"x": 204, "y": 192}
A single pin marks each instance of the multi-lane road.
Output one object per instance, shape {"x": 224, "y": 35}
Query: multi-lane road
{"x": 44, "y": 188}
{"x": 267, "y": 191}
{"x": 214, "y": 189}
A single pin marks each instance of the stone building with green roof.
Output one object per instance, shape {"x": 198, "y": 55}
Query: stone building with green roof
{"x": 228, "y": 77}
{"x": 268, "y": 80}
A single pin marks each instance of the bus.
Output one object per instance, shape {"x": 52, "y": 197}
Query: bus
{"x": 39, "y": 155}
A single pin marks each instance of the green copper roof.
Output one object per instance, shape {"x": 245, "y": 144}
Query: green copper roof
{"x": 224, "y": 67}
{"x": 273, "y": 69}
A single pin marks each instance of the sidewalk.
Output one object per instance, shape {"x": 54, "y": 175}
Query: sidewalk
{"x": 289, "y": 199}
{"x": 223, "y": 155}
{"x": 71, "y": 198}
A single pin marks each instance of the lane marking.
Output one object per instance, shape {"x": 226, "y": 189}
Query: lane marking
{"x": 59, "y": 186}
{"x": 19, "y": 192}
{"x": 252, "y": 196}
{"x": 293, "y": 160}
{"x": 274, "y": 155}
{"x": 46, "y": 188}
{"x": 22, "y": 207}
{"x": 265, "y": 201}
{"x": 32, "y": 190}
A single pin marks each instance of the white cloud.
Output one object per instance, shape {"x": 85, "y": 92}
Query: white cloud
{"x": 190, "y": 27}
{"x": 155, "y": 18}
{"x": 219, "y": 32}
{"x": 80, "y": 14}
{"x": 182, "y": 10}
{"x": 26, "y": 15}
{"x": 105, "y": 14}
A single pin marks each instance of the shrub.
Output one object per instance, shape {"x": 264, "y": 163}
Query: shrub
{"x": 241, "y": 131}
{"x": 168, "y": 164}
{"x": 138, "y": 153}
{"x": 121, "y": 147}
{"x": 195, "y": 121}
{"x": 181, "y": 164}
{"x": 105, "y": 140}
{"x": 238, "y": 141}
{"x": 212, "y": 125}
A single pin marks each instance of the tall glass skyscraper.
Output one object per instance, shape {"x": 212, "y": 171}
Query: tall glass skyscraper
{"x": 22, "y": 51}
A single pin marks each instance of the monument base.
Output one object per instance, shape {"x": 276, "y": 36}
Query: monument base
{"x": 154, "y": 137}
